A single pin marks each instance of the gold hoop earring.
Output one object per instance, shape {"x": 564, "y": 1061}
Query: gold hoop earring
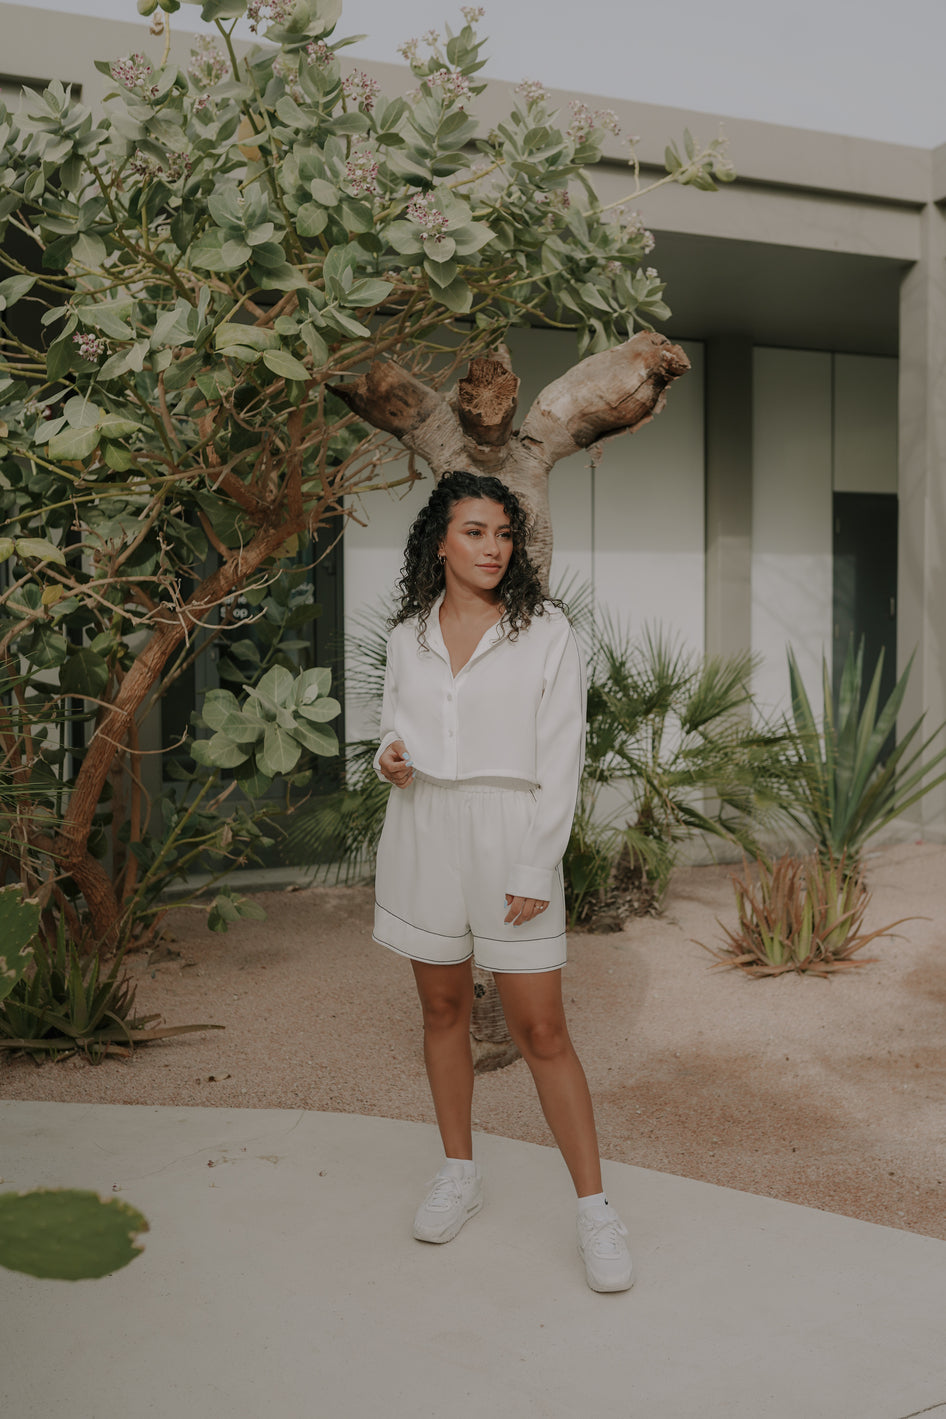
{"x": 441, "y": 559}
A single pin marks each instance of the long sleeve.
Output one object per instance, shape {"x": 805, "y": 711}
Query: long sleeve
{"x": 388, "y": 711}
{"x": 560, "y": 743}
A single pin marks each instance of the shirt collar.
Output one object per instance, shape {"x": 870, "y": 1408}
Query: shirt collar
{"x": 434, "y": 636}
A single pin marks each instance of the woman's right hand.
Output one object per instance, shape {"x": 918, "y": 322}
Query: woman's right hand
{"x": 396, "y": 764}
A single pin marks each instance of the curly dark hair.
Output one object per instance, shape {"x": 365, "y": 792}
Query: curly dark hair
{"x": 422, "y": 575}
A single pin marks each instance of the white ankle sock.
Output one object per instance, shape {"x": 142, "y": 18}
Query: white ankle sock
{"x": 467, "y": 1164}
{"x": 595, "y": 1199}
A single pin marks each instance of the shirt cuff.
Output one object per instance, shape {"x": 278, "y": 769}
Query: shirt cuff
{"x": 388, "y": 739}
{"x": 536, "y": 882}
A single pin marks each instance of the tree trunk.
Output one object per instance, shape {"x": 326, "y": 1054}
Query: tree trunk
{"x": 71, "y": 845}
{"x": 604, "y": 395}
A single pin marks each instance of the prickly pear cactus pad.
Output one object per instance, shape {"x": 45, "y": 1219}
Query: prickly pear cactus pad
{"x": 19, "y": 918}
{"x": 67, "y": 1235}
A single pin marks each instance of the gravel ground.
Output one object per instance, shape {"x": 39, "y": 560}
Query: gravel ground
{"x": 828, "y": 1093}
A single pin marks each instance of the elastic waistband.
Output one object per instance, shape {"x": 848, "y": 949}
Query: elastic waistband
{"x": 483, "y": 784}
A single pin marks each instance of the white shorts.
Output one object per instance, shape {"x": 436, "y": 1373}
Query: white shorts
{"x": 440, "y": 885}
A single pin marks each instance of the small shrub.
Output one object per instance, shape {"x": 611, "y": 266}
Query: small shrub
{"x": 800, "y": 914}
{"x": 69, "y": 1004}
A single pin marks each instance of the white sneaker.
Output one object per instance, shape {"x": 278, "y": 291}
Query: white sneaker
{"x": 451, "y": 1201}
{"x": 602, "y": 1246}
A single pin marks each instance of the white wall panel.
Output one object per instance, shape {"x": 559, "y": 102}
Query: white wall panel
{"x": 649, "y": 535}
{"x": 865, "y": 424}
{"x": 791, "y": 518}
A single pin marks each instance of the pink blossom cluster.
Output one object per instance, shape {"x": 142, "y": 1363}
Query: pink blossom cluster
{"x": 558, "y": 201}
{"x": 91, "y": 347}
{"x": 454, "y": 85}
{"x": 634, "y": 226}
{"x": 533, "y": 91}
{"x": 282, "y": 69}
{"x": 362, "y": 88}
{"x": 421, "y": 210}
{"x": 472, "y": 13}
{"x": 177, "y": 165}
{"x": 132, "y": 72}
{"x": 408, "y": 50}
{"x": 361, "y": 172}
{"x": 432, "y": 37}
{"x": 319, "y": 53}
{"x": 260, "y": 12}
{"x": 585, "y": 121}
{"x": 651, "y": 273}
{"x": 208, "y": 64}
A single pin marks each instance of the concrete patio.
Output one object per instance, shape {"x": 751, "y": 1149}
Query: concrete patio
{"x": 279, "y": 1276}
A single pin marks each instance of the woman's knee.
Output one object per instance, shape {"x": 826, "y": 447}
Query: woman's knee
{"x": 543, "y": 1038}
{"x": 445, "y": 1009}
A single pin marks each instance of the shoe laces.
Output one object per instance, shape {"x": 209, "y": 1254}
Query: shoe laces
{"x": 444, "y": 1193}
{"x": 606, "y": 1237}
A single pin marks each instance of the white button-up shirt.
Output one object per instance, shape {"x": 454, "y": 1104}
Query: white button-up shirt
{"x": 516, "y": 710}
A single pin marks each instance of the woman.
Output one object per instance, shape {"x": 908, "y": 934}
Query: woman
{"x": 482, "y": 737}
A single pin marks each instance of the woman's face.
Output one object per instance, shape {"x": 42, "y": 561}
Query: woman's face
{"x": 477, "y": 546}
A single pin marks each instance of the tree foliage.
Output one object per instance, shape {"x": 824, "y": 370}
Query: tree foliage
{"x": 183, "y": 276}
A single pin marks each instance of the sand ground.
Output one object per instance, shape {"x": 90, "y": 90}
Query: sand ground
{"x": 830, "y": 1093}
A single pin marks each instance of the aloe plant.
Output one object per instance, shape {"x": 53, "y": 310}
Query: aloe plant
{"x": 70, "y": 1004}
{"x": 846, "y": 787}
{"x": 66, "y": 1234}
{"x": 800, "y": 914}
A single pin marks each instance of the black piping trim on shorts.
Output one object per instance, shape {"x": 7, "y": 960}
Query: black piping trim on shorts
{"x": 510, "y": 940}
{"x": 518, "y": 971}
{"x": 425, "y": 959}
{"x": 441, "y": 935}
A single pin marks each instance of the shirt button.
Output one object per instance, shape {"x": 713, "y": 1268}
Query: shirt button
{"x": 449, "y": 733}
{"x": 449, "y": 699}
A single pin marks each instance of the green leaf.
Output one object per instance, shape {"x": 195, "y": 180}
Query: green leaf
{"x": 217, "y": 706}
{"x": 84, "y": 673}
{"x": 114, "y": 427}
{"x": 320, "y": 710}
{"x": 235, "y": 333}
{"x": 317, "y": 741}
{"x": 118, "y": 459}
{"x": 74, "y": 444}
{"x": 457, "y": 297}
{"x": 311, "y": 685}
{"x": 324, "y": 193}
{"x": 217, "y": 752}
{"x": 285, "y": 365}
{"x": 67, "y": 1235}
{"x": 280, "y": 752}
{"x": 276, "y": 687}
{"x": 47, "y": 648}
{"x": 88, "y": 250}
{"x": 368, "y": 292}
{"x": 214, "y": 251}
{"x": 39, "y": 548}
{"x": 14, "y": 288}
{"x": 311, "y": 219}
{"x": 252, "y": 780}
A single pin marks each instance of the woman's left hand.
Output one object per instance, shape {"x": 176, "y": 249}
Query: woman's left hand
{"x": 522, "y": 909}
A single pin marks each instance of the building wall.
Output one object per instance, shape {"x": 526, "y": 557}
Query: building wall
{"x": 821, "y": 423}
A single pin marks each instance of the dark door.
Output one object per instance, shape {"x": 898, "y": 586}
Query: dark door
{"x": 865, "y": 583}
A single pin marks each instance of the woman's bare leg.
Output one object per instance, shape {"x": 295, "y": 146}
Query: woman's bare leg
{"x": 446, "y": 997}
{"x": 535, "y": 1015}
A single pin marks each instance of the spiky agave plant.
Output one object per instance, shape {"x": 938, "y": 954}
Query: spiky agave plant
{"x": 847, "y": 785}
